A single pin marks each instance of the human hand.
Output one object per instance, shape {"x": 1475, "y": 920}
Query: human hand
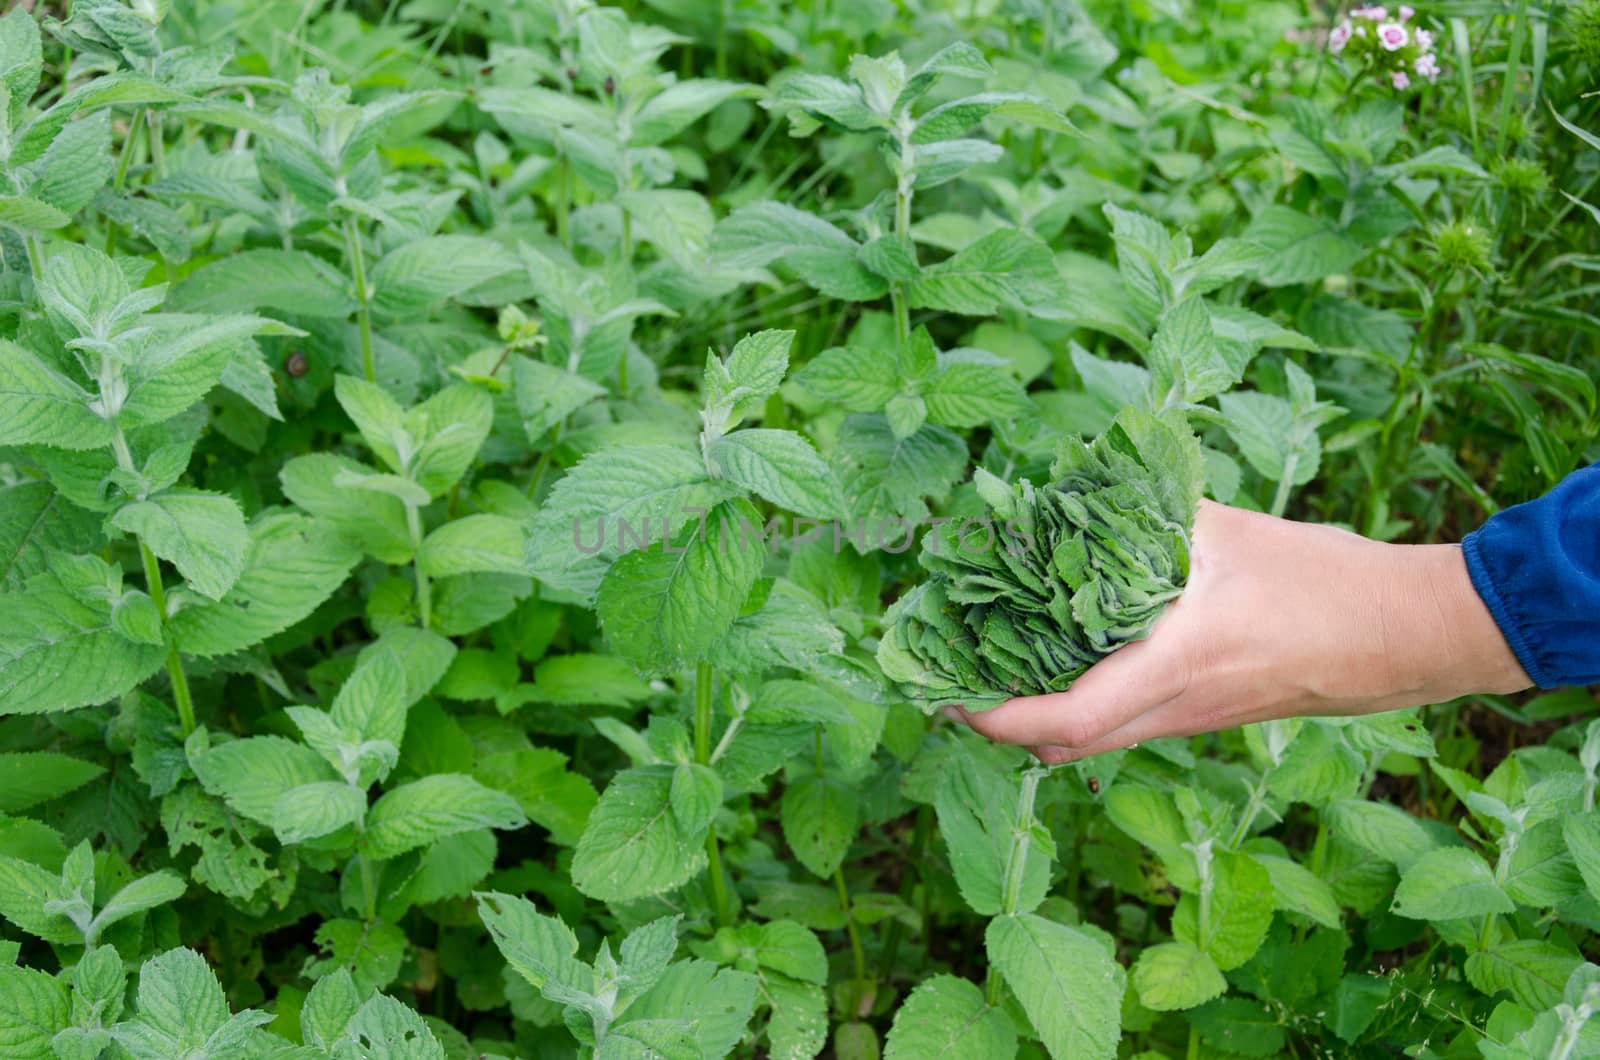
{"x": 1279, "y": 619}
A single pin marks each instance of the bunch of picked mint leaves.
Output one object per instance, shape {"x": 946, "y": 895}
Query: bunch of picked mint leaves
{"x": 1058, "y": 577}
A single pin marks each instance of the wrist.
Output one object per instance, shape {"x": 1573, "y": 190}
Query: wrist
{"x": 1454, "y": 646}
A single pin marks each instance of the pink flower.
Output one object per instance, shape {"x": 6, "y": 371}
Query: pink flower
{"x": 1424, "y": 39}
{"x": 1401, "y": 80}
{"x": 1339, "y": 38}
{"x": 1427, "y": 66}
{"x": 1406, "y": 13}
{"x": 1392, "y": 36}
{"x": 1372, "y": 14}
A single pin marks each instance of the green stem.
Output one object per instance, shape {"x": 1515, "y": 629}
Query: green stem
{"x": 35, "y": 256}
{"x": 543, "y": 465}
{"x": 424, "y": 590}
{"x": 358, "y": 269}
{"x": 857, "y": 954}
{"x": 158, "y": 158}
{"x": 180, "y": 682}
{"x": 703, "y": 684}
{"x": 1016, "y": 862}
{"x": 919, "y": 845}
{"x": 564, "y": 201}
{"x": 905, "y": 188}
{"x": 1508, "y": 91}
{"x": 369, "y": 892}
{"x": 1280, "y": 499}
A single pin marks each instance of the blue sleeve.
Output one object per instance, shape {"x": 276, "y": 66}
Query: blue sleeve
{"x": 1537, "y": 567}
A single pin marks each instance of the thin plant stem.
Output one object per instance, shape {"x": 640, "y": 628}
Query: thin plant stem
{"x": 703, "y": 685}
{"x": 180, "y": 681}
{"x": 424, "y": 590}
{"x": 1016, "y": 862}
{"x": 358, "y": 270}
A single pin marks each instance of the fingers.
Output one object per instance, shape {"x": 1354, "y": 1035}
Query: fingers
{"x": 1121, "y": 687}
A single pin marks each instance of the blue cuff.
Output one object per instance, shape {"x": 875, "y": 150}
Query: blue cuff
{"x": 1537, "y": 568}
{"x": 1483, "y": 581}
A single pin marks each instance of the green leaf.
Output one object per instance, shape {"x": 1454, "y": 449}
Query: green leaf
{"x": 820, "y": 816}
{"x": 59, "y": 646}
{"x": 756, "y": 366}
{"x": 1534, "y": 972}
{"x": 33, "y": 1005}
{"x": 1240, "y": 911}
{"x": 292, "y": 565}
{"x": 1448, "y": 884}
{"x": 182, "y": 1009}
{"x": 384, "y": 1027}
{"x": 319, "y": 483}
{"x": 1302, "y": 249}
{"x": 36, "y": 525}
{"x": 490, "y": 543}
{"x": 416, "y": 814}
{"x": 312, "y": 811}
{"x": 948, "y": 1017}
{"x": 1175, "y": 975}
{"x": 676, "y": 222}
{"x": 541, "y": 949}
{"x": 202, "y": 534}
{"x": 1296, "y": 889}
{"x": 1582, "y": 834}
{"x": 855, "y": 378}
{"x": 966, "y": 394}
{"x": 974, "y": 804}
{"x": 546, "y": 395}
{"x": 632, "y": 847}
{"x": 548, "y": 792}
{"x": 39, "y": 776}
{"x": 1066, "y": 980}
{"x": 780, "y": 466}
{"x": 253, "y": 773}
{"x": 680, "y": 105}
{"x": 147, "y": 892}
{"x": 40, "y": 406}
{"x": 1008, "y": 267}
{"x": 420, "y": 274}
{"x": 1380, "y": 829}
{"x": 798, "y": 1029}
{"x": 28, "y": 213}
{"x": 329, "y": 1005}
{"x": 289, "y": 281}
{"x": 764, "y": 233}
{"x": 181, "y": 360}
{"x": 1239, "y": 1026}
{"x": 26, "y": 892}
{"x": 77, "y": 164}
{"x": 951, "y": 119}
{"x": 665, "y": 606}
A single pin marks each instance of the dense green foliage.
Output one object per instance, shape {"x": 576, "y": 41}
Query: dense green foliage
{"x": 414, "y": 643}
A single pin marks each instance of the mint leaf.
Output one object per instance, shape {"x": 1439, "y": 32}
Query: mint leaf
{"x": 1066, "y": 980}
{"x": 948, "y": 1017}
{"x": 665, "y": 606}
{"x": 632, "y": 846}
{"x": 202, "y": 534}
{"x": 780, "y": 466}
{"x": 418, "y": 813}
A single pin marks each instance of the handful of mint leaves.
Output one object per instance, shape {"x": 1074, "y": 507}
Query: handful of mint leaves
{"x": 1058, "y": 576}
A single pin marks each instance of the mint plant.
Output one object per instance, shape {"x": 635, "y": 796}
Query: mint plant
{"x": 482, "y": 492}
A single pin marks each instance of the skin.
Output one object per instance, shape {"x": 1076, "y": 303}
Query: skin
{"x": 1279, "y": 619}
